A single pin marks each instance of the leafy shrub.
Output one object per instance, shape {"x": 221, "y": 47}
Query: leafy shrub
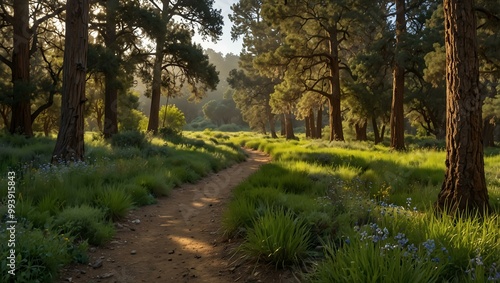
{"x": 172, "y": 119}
{"x": 115, "y": 202}
{"x": 85, "y": 222}
{"x": 129, "y": 139}
{"x": 278, "y": 237}
{"x": 229, "y": 128}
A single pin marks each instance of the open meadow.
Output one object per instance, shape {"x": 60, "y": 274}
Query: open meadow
{"x": 327, "y": 211}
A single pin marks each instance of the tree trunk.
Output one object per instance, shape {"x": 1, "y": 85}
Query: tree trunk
{"x": 283, "y": 127}
{"x": 397, "y": 110}
{"x": 489, "y": 131}
{"x": 464, "y": 187}
{"x": 20, "y": 122}
{"x": 376, "y": 132}
{"x": 319, "y": 123}
{"x": 312, "y": 127}
{"x": 272, "y": 124}
{"x": 110, "y": 88}
{"x": 308, "y": 126}
{"x": 70, "y": 144}
{"x": 289, "y": 126}
{"x": 360, "y": 128}
{"x": 336, "y": 132}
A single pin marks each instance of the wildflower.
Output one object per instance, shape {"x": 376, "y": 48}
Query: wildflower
{"x": 429, "y": 245}
{"x": 408, "y": 202}
{"x": 401, "y": 238}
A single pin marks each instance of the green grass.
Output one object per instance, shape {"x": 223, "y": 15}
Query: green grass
{"x": 81, "y": 199}
{"x": 343, "y": 190}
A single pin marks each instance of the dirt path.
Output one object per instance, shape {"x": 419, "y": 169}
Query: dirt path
{"x": 179, "y": 239}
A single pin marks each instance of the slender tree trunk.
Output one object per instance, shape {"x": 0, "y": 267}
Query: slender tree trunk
{"x": 312, "y": 126}
{"x": 464, "y": 187}
{"x": 154, "y": 112}
{"x": 397, "y": 110}
{"x": 70, "y": 144}
{"x": 270, "y": 118}
{"x": 283, "y": 127}
{"x": 319, "y": 123}
{"x": 308, "y": 126}
{"x": 336, "y": 132}
{"x": 376, "y": 132}
{"x": 289, "y": 126}
{"x": 20, "y": 122}
{"x": 110, "y": 88}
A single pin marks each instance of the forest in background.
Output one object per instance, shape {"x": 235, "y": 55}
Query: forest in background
{"x": 290, "y": 70}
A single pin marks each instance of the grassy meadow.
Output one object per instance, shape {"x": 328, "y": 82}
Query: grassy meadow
{"x": 69, "y": 208}
{"x": 332, "y": 212}
{"x": 358, "y": 212}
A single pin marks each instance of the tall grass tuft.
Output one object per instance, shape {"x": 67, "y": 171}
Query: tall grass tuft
{"x": 278, "y": 237}
{"x": 116, "y": 202}
{"x": 85, "y": 222}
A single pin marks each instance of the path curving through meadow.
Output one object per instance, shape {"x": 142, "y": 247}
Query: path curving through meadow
{"x": 179, "y": 239}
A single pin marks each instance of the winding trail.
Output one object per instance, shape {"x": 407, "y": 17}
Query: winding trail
{"x": 179, "y": 239}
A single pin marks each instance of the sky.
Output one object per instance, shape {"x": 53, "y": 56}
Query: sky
{"x": 225, "y": 45}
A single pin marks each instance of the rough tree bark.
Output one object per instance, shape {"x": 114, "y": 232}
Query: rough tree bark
{"x": 70, "y": 145}
{"x": 21, "y": 108}
{"x": 397, "y": 110}
{"x": 110, "y": 89}
{"x": 464, "y": 188}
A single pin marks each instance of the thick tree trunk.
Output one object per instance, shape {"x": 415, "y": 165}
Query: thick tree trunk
{"x": 360, "y": 128}
{"x": 397, "y": 110}
{"x": 336, "y": 132}
{"x": 319, "y": 123}
{"x": 464, "y": 187}
{"x": 110, "y": 88}
{"x": 70, "y": 144}
{"x": 20, "y": 122}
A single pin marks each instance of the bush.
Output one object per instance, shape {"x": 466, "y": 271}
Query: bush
{"x": 37, "y": 262}
{"x": 278, "y": 237}
{"x": 85, "y": 222}
{"x": 129, "y": 139}
{"x": 172, "y": 119}
{"x": 229, "y": 128}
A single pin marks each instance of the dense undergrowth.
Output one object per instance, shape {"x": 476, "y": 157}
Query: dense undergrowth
{"x": 62, "y": 209}
{"x": 358, "y": 212}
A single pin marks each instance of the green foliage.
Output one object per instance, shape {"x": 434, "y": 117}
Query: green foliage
{"x": 360, "y": 261}
{"x": 172, "y": 120}
{"x": 39, "y": 254}
{"x": 278, "y": 237}
{"x": 129, "y": 139}
{"x": 85, "y": 222}
{"x": 140, "y": 195}
{"x": 155, "y": 184}
{"x": 116, "y": 202}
